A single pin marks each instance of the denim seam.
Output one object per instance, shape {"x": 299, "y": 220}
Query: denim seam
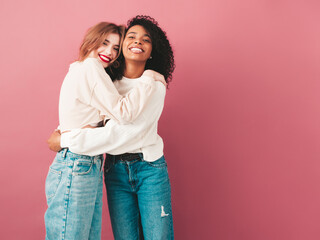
{"x": 54, "y": 171}
{"x": 66, "y": 202}
{"x": 131, "y": 180}
{"x": 59, "y": 175}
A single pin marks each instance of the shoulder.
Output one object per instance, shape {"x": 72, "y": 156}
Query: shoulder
{"x": 160, "y": 89}
{"x": 86, "y": 66}
{"x": 159, "y": 94}
{"x": 92, "y": 67}
{"x": 92, "y": 63}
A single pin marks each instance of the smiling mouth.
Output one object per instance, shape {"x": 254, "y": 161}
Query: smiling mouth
{"x": 104, "y": 58}
{"x": 136, "y": 50}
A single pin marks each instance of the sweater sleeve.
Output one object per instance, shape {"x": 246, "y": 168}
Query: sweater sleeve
{"x": 106, "y": 98}
{"x": 114, "y": 138}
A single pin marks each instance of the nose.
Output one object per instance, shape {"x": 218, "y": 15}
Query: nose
{"x": 137, "y": 41}
{"x": 107, "y": 51}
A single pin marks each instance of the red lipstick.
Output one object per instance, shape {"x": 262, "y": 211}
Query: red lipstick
{"x": 104, "y": 58}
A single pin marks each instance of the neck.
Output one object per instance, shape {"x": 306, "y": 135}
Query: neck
{"x": 133, "y": 69}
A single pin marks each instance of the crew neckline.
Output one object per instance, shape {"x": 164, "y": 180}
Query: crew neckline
{"x": 125, "y": 78}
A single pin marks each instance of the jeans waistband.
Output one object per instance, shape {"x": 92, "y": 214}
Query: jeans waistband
{"x": 65, "y": 152}
{"x": 126, "y": 157}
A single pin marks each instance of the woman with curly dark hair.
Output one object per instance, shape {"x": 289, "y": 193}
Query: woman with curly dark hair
{"x": 136, "y": 176}
{"x": 161, "y": 60}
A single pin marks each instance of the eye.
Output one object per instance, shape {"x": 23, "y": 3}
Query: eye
{"x": 131, "y": 37}
{"x": 117, "y": 49}
{"x": 147, "y": 40}
{"x": 105, "y": 43}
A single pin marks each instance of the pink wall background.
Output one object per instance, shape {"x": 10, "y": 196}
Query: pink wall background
{"x": 241, "y": 123}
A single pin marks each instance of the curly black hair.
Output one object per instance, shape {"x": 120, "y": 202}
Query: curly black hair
{"x": 162, "y": 59}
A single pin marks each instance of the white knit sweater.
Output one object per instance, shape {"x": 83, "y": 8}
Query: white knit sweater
{"x": 139, "y": 136}
{"x": 88, "y": 96}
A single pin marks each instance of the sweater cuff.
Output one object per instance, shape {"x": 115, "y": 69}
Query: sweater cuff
{"x": 65, "y": 140}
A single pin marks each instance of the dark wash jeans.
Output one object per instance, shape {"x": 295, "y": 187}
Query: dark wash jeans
{"x": 139, "y": 199}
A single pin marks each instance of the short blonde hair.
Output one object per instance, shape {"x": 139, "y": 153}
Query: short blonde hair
{"x": 96, "y": 35}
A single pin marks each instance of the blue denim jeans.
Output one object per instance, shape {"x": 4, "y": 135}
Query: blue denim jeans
{"x": 139, "y": 199}
{"x": 74, "y": 197}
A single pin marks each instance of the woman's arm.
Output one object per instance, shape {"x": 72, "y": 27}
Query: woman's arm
{"x": 106, "y": 98}
{"x": 114, "y": 138}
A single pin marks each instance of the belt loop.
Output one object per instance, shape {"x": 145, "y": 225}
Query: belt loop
{"x": 102, "y": 163}
{"x": 141, "y": 156}
{"x": 65, "y": 150}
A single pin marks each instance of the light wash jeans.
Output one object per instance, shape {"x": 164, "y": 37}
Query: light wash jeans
{"x": 139, "y": 199}
{"x": 74, "y": 196}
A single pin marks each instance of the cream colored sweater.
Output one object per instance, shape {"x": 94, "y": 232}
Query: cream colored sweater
{"x": 139, "y": 136}
{"x": 88, "y": 96}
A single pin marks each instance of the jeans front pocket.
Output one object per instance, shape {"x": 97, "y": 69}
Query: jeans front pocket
{"x": 159, "y": 163}
{"x": 82, "y": 167}
{"x": 52, "y": 182}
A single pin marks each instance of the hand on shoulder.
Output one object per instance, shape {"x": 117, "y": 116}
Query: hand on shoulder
{"x": 155, "y": 75}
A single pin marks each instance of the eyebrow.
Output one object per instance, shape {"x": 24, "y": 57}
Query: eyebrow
{"x": 106, "y": 40}
{"x": 147, "y": 35}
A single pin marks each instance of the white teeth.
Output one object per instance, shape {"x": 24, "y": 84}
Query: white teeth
{"x": 103, "y": 57}
{"x": 136, "y": 50}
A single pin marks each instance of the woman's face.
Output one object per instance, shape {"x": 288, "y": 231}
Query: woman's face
{"x": 108, "y": 50}
{"x": 137, "y": 45}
